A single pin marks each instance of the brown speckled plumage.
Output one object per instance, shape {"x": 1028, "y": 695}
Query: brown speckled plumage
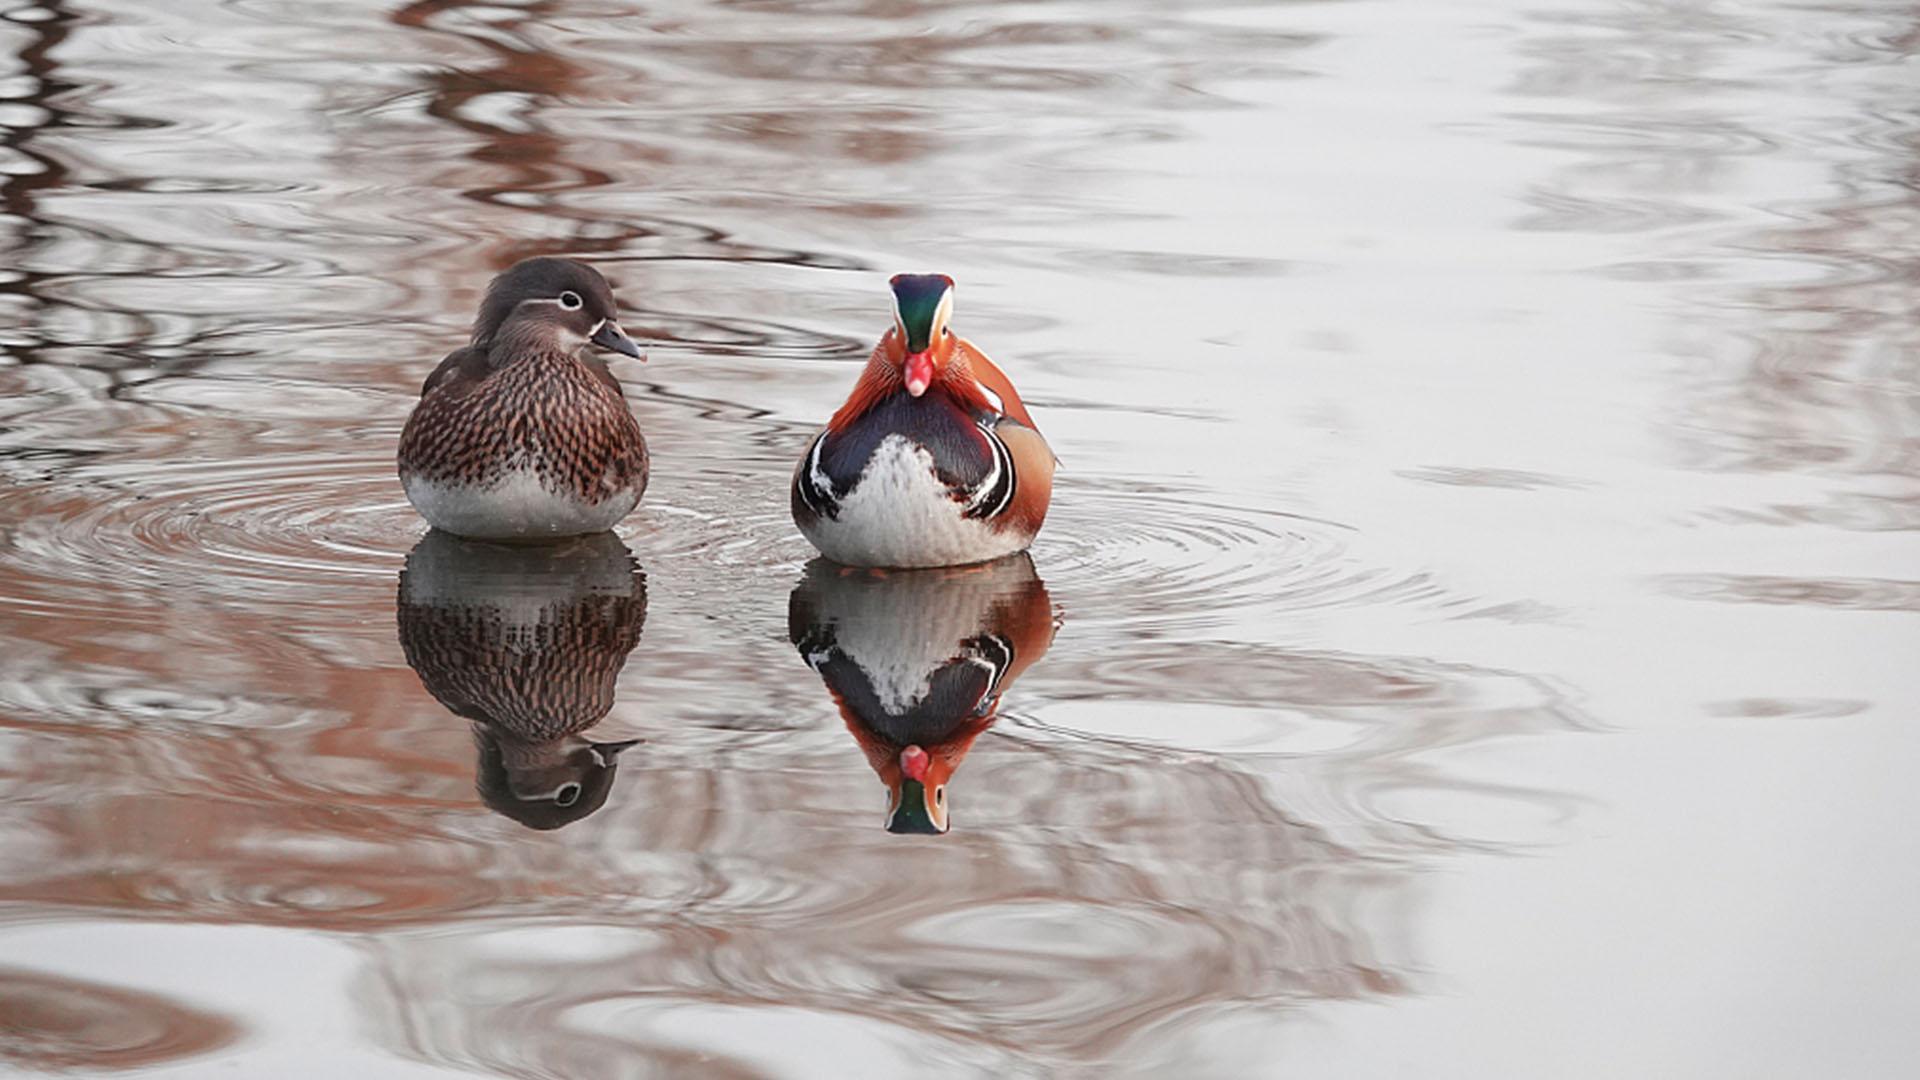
{"x": 468, "y": 629}
{"x": 561, "y": 415}
{"x": 525, "y": 434}
{"x": 527, "y": 643}
{"x": 538, "y": 682}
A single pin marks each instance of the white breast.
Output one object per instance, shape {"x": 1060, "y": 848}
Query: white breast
{"x": 516, "y": 506}
{"x": 899, "y": 514}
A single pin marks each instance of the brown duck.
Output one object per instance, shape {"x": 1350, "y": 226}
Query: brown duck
{"x": 528, "y": 643}
{"x": 525, "y": 434}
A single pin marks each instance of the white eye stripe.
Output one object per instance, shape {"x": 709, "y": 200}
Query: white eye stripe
{"x": 549, "y": 301}
{"x": 943, "y": 314}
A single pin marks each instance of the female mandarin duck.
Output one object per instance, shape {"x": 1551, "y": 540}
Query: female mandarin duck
{"x": 527, "y": 643}
{"x": 933, "y": 460}
{"x": 523, "y": 434}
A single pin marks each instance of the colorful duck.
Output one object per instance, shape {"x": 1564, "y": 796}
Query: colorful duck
{"x": 527, "y": 643}
{"x": 933, "y": 460}
{"x": 917, "y": 662}
{"x": 523, "y": 434}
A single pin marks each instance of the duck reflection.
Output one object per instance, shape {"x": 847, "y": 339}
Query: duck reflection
{"x": 527, "y": 642}
{"x": 917, "y": 661}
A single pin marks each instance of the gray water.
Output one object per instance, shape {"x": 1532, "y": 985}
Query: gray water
{"x": 1473, "y": 637}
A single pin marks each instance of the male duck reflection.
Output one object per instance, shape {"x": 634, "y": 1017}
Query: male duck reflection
{"x": 527, "y": 643}
{"x": 933, "y": 460}
{"x": 917, "y": 662}
{"x": 523, "y": 434}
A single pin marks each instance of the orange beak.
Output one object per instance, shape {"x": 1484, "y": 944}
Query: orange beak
{"x": 919, "y": 372}
{"x": 913, "y": 762}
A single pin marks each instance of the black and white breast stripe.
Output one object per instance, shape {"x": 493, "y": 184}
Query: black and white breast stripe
{"x": 815, "y": 486}
{"x": 995, "y": 492}
{"x": 995, "y": 654}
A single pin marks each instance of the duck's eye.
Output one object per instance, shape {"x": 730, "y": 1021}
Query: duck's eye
{"x": 568, "y": 793}
{"x": 939, "y": 796}
{"x": 571, "y": 301}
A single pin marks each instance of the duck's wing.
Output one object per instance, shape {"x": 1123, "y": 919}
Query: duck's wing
{"x": 813, "y": 494}
{"x": 460, "y": 365}
{"x": 1030, "y": 463}
{"x": 988, "y": 374}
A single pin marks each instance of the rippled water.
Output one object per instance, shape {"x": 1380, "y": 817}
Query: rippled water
{"x": 1474, "y": 635}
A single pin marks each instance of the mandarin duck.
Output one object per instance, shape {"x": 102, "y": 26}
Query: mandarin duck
{"x": 524, "y": 434}
{"x": 527, "y": 644}
{"x": 933, "y": 460}
{"x": 916, "y": 662}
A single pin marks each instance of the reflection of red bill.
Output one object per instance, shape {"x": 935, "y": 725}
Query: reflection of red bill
{"x": 913, "y": 762}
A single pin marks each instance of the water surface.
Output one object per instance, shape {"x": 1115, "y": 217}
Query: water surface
{"x": 1473, "y": 635}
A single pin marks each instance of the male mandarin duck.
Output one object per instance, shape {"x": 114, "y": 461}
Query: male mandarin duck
{"x": 523, "y": 434}
{"x": 917, "y": 662}
{"x": 933, "y": 460}
{"x": 527, "y": 643}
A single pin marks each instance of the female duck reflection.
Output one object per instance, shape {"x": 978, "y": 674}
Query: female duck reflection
{"x": 527, "y": 643}
{"x": 917, "y": 660}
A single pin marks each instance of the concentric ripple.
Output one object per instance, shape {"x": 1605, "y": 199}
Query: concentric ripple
{"x": 1169, "y": 558}
{"x": 281, "y": 527}
{"x": 301, "y": 531}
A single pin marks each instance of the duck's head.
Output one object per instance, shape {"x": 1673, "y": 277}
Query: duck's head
{"x": 922, "y": 307}
{"x": 917, "y": 791}
{"x": 561, "y": 300}
{"x": 544, "y": 785}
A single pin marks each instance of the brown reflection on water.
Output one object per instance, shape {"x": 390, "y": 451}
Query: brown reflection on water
{"x": 1863, "y": 594}
{"x": 1099, "y": 889}
{"x": 66, "y": 1025}
{"x": 528, "y": 643}
{"x": 1291, "y": 280}
{"x": 217, "y": 723}
{"x": 519, "y": 164}
{"x": 1096, "y": 894}
{"x": 1797, "y": 338}
{"x": 917, "y": 663}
